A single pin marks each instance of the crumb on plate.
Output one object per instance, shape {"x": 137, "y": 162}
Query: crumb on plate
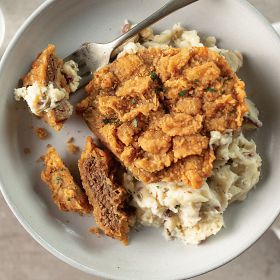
{"x": 96, "y": 231}
{"x": 41, "y": 133}
{"x": 27, "y": 151}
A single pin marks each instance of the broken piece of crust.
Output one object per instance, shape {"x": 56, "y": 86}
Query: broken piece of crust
{"x": 47, "y": 68}
{"x": 66, "y": 194}
{"x": 106, "y": 196}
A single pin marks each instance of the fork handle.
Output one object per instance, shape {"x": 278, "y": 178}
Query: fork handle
{"x": 168, "y": 8}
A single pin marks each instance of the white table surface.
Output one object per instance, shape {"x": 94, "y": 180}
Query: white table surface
{"x": 21, "y": 258}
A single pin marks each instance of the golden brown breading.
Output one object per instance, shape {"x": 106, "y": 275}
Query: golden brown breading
{"x": 155, "y": 109}
{"x": 47, "y": 68}
{"x": 108, "y": 198}
{"x": 66, "y": 194}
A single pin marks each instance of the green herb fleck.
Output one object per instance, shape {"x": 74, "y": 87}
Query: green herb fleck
{"x": 157, "y": 187}
{"x": 228, "y": 78}
{"x": 158, "y": 90}
{"x": 58, "y": 180}
{"x": 177, "y": 206}
{"x": 182, "y": 93}
{"x": 154, "y": 76}
{"x": 135, "y": 123}
{"x": 106, "y": 121}
{"x": 165, "y": 89}
{"x": 133, "y": 101}
{"x": 210, "y": 89}
{"x": 196, "y": 81}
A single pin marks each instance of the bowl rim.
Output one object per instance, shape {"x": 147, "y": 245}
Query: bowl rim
{"x": 45, "y": 244}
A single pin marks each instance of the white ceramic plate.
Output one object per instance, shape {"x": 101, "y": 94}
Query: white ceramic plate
{"x": 67, "y": 23}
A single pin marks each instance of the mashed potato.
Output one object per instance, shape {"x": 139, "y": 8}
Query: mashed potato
{"x": 178, "y": 37}
{"x": 40, "y": 98}
{"x": 45, "y": 98}
{"x": 186, "y": 213}
{"x": 190, "y": 214}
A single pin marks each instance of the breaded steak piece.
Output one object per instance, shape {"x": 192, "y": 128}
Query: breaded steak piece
{"x": 66, "y": 194}
{"x": 155, "y": 110}
{"x": 46, "y": 69}
{"x": 108, "y": 198}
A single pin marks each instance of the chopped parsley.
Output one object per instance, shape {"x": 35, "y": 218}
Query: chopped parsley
{"x": 165, "y": 89}
{"x": 106, "y": 121}
{"x": 154, "y": 76}
{"x": 133, "y": 101}
{"x": 177, "y": 206}
{"x": 182, "y": 93}
{"x": 196, "y": 81}
{"x": 158, "y": 90}
{"x": 58, "y": 180}
{"x": 135, "y": 123}
{"x": 228, "y": 78}
{"x": 157, "y": 187}
{"x": 210, "y": 89}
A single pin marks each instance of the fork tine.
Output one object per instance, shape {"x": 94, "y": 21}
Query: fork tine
{"x": 73, "y": 56}
{"x": 84, "y": 81}
{"x": 90, "y": 57}
{"x": 84, "y": 71}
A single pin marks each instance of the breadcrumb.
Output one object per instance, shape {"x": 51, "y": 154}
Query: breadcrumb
{"x": 41, "y": 158}
{"x": 70, "y": 140}
{"x": 27, "y": 151}
{"x": 41, "y": 133}
{"x": 72, "y": 149}
{"x": 96, "y": 231}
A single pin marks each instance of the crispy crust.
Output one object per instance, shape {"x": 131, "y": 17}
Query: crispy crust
{"x": 149, "y": 107}
{"x": 46, "y": 68}
{"x": 66, "y": 194}
{"x": 108, "y": 199}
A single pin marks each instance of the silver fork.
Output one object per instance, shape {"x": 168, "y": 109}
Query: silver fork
{"x": 91, "y": 56}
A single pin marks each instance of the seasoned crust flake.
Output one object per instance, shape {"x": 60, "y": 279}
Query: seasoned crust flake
{"x": 66, "y": 194}
{"x": 149, "y": 107}
{"x": 107, "y": 197}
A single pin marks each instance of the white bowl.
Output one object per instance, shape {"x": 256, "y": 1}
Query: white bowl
{"x": 277, "y": 27}
{"x": 67, "y": 23}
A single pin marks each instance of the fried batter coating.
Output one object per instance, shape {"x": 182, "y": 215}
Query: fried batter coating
{"x": 155, "y": 110}
{"x": 66, "y": 194}
{"x": 108, "y": 198}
